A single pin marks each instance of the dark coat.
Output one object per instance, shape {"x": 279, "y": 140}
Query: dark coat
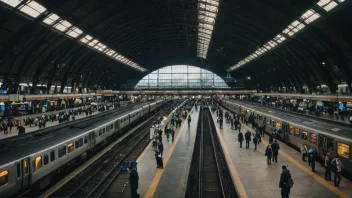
{"x": 285, "y": 175}
{"x": 248, "y": 136}
{"x": 134, "y": 179}
{"x": 21, "y": 130}
{"x": 240, "y": 137}
{"x": 161, "y": 148}
{"x": 275, "y": 147}
{"x": 268, "y": 152}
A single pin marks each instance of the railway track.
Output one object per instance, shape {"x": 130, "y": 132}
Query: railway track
{"x": 96, "y": 181}
{"x": 209, "y": 175}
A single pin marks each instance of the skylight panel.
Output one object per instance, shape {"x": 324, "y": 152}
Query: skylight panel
{"x": 51, "y": 19}
{"x": 74, "y": 32}
{"x": 328, "y": 5}
{"x": 86, "y": 39}
{"x": 32, "y": 9}
{"x": 12, "y": 3}
{"x": 62, "y": 25}
{"x": 207, "y": 12}
{"x": 310, "y": 16}
{"x": 93, "y": 43}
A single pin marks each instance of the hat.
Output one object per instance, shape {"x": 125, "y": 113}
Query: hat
{"x": 284, "y": 167}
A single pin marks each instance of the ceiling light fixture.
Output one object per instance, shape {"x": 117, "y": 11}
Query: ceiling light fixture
{"x": 291, "y": 30}
{"x": 207, "y": 12}
{"x": 33, "y": 9}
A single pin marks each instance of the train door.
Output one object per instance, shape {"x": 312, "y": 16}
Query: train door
{"x": 23, "y": 173}
{"x": 286, "y": 130}
{"x": 324, "y": 143}
{"x": 92, "y": 138}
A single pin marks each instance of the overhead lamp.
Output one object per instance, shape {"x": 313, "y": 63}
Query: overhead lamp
{"x": 74, "y": 32}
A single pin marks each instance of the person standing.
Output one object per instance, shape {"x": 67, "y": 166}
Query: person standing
{"x": 268, "y": 153}
{"x": 161, "y": 147}
{"x": 275, "y": 147}
{"x": 327, "y": 167}
{"x": 240, "y": 138}
{"x": 221, "y": 120}
{"x": 313, "y": 156}
{"x": 304, "y": 152}
{"x": 284, "y": 178}
{"x": 337, "y": 168}
{"x": 134, "y": 182}
{"x": 247, "y": 136}
{"x": 172, "y": 133}
{"x": 310, "y": 156}
{"x": 189, "y": 121}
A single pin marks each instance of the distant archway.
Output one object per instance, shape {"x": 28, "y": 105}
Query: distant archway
{"x": 181, "y": 77}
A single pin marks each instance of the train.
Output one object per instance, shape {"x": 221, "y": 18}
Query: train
{"x": 296, "y": 131}
{"x": 21, "y": 170}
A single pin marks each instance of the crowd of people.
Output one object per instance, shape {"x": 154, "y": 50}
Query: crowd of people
{"x": 272, "y": 149}
{"x": 41, "y": 120}
{"x": 178, "y": 115}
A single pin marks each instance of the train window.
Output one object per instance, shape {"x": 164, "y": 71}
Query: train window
{"x": 25, "y": 167}
{"x": 38, "y": 162}
{"x": 62, "y": 151}
{"x": 304, "y": 135}
{"x": 46, "y": 159}
{"x": 111, "y": 126}
{"x": 297, "y": 132}
{"x": 331, "y": 144}
{"x": 18, "y": 170}
{"x": 52, "y": 155}
{"x": 313, "y": 138}
{"x": 291, "y": 130}
{"x": 4, "y": 178}
{"x": 278, "y": 125}
{"x": 103, "y": 130}
{"x": 80, "y": 142}
{"x": 70, "y": 148}
{"x": 86, "y": 140}
{"x": 100, "y": 132}
{"x": 343, "y": 150}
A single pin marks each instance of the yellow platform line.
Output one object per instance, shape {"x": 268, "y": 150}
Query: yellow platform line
{"x": 159, "y": 172}
{"x": 241, "y": 192}
{"x": 308, "y": 171}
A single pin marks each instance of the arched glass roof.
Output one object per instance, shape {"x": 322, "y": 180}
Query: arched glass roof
{"x": 181, "y": 77}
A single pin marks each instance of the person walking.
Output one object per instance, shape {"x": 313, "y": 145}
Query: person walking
{"x": 172, "y": 134}
{"x": 134, "y": 182}
{"x": 327, "y": 167}
{"x": 275, "y": 147}
{"x": 255, "y": 142}
{"x": 189, "y": 121}
{"x": 310, "y": 156}
{"x": 284, "y": 179}
{"x": 247, "y": 136}
{"x": 337, "y": 168}
{"x": 240, "y": 138}
{"x": 221, "y": 121}
{"x": 268, "y": 153}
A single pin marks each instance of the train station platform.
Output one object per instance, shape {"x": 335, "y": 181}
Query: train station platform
{"x": 253, "y": 177}
{"x": 171, "y": 181}
{"x": 33, "y": 128}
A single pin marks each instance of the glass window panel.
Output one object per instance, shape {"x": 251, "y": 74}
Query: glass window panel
{"x": 181, "y": 76}
{"x": 165, "y": 69}
{"x": 297, "y": 132}
{"x": 304, "y": 135}
{"x": 313, "y": 138}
